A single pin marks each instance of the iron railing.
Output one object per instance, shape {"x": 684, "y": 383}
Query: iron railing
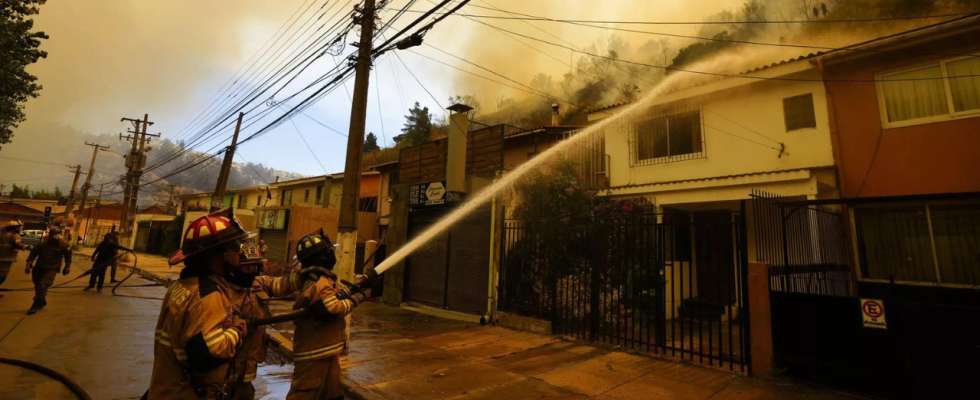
{"x": 670, "y": 284}
{"x": 804, "y": 245}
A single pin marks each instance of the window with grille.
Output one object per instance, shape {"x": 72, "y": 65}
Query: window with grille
{"x": 675, "y": 136}
{"x": 798, "y": 112}
{"x": 287, "y": 198}
{"x": 932, "y": 243}
{"x": 306, "y": 196}
{"x": 319, "y": 195}
{"x": 941, "y": 91}
{"x": 242, "y": 201}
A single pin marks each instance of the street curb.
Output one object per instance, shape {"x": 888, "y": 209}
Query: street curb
{"x": 283, "y": 346}
{"x": 147, "y": 275}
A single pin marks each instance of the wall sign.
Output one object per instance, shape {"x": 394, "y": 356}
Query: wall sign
{"x": 431, "y": 194}
{"x": 873, "y": 313}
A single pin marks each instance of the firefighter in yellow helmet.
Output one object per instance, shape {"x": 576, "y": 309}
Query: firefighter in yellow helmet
{"x": 257, "y": 306}
{"x": 9, "y": 245}
{"x": 202, "y": 327}
{"x": 319, "y": 338}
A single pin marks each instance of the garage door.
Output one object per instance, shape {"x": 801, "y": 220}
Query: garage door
{"x": 450, "y": 271}
{"x": 275, "y": 239}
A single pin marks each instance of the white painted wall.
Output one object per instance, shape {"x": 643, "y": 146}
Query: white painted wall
{"x": 757, "y": 106}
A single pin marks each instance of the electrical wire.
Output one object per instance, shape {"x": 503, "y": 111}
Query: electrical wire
{"x": 308, "y": 145}
{"x": 528, "y": 17}
{"x": 725, "y": 75}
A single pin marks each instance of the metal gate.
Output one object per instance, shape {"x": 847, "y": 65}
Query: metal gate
{"x": 930, "y": 346}
{"x": 142, "y": 233}
{"x": 671, "y": 284}
{"x": 277, "y": 243}
{"x": 451, "y": 271}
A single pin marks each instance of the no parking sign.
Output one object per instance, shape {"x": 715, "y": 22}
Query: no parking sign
{"x": 873, "y": 312}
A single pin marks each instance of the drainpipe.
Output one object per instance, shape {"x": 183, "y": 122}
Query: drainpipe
{"x": 839, "y": 162}
{"x": 494, "y": 257}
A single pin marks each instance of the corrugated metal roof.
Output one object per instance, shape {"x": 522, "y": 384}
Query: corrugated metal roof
{"x": 746, "y": 72}
{"x": 562, "y": 128}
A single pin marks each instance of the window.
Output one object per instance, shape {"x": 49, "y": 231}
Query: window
{"x": 931, "y": 243}
{"x": 668, "y": 138}
{"x": 306, "y": 196}
{"x": 287, "y": 198}
{"x": 368, "y": 204}
{"x": 798, "y": 112}
{"x": 242, "y": 201}
{"x": 258, "y": 200}
{"x": 936, "y": 92}
{"x": 319, "y": 195}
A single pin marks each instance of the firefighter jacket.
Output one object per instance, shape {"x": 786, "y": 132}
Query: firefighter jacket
{"x": 257, "y": 306}
{"x": 197, "y": 334}
{"x": 9, "y": 244}
{"x": 49, "y": 255}
{"x": 321, "y": 335}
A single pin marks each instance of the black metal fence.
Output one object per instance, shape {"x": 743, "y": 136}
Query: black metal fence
{"x": 805, "y": 246}
{"x": 670, "y": 284}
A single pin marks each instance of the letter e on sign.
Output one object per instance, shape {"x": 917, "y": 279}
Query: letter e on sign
{"x": 873, "y": 313}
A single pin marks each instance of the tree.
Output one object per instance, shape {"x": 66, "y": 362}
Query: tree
{"x": 20, "y": 192}
{"x": 468, "y": 100}
{"x": 371, "y": 143}
{"x": 19, "y": 47}
{"x": 417, "y": 128}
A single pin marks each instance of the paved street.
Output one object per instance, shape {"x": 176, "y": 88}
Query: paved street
{"x": 101, "y": 341}
{"x": 105, "y": 344}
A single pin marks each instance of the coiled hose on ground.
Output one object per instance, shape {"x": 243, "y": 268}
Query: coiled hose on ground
{"x": 68, "y": 382}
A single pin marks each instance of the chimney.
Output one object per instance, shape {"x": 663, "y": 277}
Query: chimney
{"x": 459, "y": 122}
{"x": 555, "y": 117}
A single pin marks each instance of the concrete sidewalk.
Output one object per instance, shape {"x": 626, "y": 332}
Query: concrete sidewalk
{"x": 151, "y": 267}
{"x": 402, "y": 354}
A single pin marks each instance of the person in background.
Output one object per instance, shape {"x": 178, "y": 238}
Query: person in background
{"x": 115, "y": 261}
{"x": 104, "y": 256}
{"x": 48, "y": 254}
{"x": 9, "y": 245}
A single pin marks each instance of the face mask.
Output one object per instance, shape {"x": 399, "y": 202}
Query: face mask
{"x": 235, "y": 275}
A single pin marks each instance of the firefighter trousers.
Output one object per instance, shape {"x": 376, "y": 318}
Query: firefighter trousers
{"x": 317, "y": 380}
{"x": 43, "y": 279}
{"x": 98, "y": 274}
{"x": 4, "y": 270}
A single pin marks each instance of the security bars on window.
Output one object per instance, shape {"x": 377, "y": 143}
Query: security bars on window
{"x": 671, "y": 135}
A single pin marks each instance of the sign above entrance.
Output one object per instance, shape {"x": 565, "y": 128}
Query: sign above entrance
{"x": 873, "y": 313}
{"x": 431, "y": 194}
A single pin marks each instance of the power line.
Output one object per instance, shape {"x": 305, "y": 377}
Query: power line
{"x": 724, "y": 75}
{"x": 308, "y": 145}
{"x": 32, "y": 161}
{"x": 528, "y": 17}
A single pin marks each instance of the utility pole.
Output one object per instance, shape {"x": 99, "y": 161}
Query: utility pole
{"x": 218, "y": 198}
{"x": 170, "y": 200}
{"x": 98, "y": 206}
{"x": 135, "y": 162}
{"x": 77, "y": 169}
{"x": 88, "y": 183}
{"x": 347, "y": 226}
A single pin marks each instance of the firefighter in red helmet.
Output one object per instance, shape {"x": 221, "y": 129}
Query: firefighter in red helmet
{"x": 202, "y": 327}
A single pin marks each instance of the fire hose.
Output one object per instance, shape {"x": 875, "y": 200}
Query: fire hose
{"x": 68, "y": 382}
{"x": 360, "y": 285}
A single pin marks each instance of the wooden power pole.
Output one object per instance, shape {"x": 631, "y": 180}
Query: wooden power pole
{"x": 85, "y": 188}
{"x": 217, "y": 199}
{"x": 77, "y": 169}
{"x": 347, "y": 226}
{"x": 135, "y": 162}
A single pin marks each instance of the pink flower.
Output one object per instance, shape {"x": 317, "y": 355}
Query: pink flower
{"x": 569, "y": 191}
